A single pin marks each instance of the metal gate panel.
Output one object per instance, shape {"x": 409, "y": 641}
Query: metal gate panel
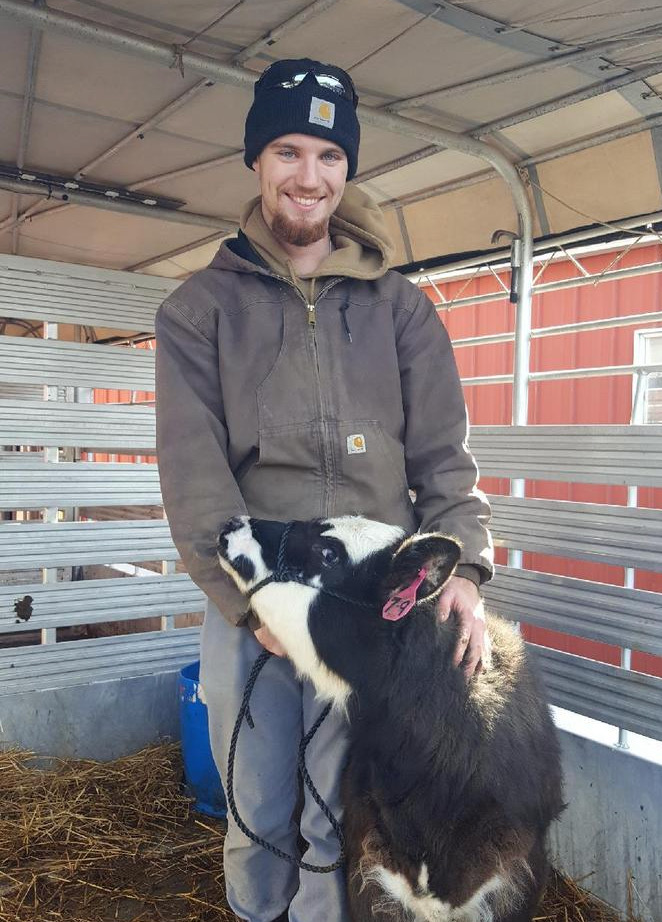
{"x": 81, "y": 662}
{"x": 626, "y": 699}
{"x": 598, "y": 611}
{"x": 39, "y": 484}
{"x": 51, "y": 362}
{"x": 620, "y": 535}
{"x": 96, "y": 601}
{"x": 125, "y": 427}
{"x": 33, "y": 289}
{"x": 630, "y": 455}
{"x": 24, "y": 545}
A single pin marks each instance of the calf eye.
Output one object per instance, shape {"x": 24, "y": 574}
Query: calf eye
{"x": 328, "y": 556}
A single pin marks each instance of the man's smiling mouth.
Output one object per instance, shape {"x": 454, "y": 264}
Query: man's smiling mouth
{"x": 303, "y": 201}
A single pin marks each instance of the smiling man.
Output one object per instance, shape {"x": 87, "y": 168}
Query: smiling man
{"x": 299, "y": 377}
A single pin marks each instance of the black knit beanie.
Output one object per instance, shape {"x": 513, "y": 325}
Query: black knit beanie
{"x": 307, "y": 108}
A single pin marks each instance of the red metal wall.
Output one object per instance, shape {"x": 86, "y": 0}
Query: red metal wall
{"x": 578, "y": 401}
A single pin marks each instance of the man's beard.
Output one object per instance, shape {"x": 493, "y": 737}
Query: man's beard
{"x": 298, "y": 234}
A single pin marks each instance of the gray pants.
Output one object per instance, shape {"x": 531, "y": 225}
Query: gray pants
{"x": 260, "y": 885}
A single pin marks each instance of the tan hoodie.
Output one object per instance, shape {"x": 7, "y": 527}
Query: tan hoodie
{"x": 287, "y": 403}
{"x": 362, "y": 246}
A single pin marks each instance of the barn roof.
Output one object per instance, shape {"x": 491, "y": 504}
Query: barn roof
{"x": 113, "y": 98}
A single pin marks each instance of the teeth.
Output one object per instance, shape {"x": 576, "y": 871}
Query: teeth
{"x": 304, "y": 201}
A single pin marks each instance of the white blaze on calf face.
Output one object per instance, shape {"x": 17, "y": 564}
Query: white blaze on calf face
{"x": 241, "y": 543}
{"x": 284, "y": 608}
{"x": 361, "y": 537}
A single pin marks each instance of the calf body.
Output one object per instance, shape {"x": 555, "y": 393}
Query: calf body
{"x": 450, "y": 785}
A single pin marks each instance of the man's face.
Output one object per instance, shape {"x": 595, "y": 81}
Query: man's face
{"x": 302, "y": 179}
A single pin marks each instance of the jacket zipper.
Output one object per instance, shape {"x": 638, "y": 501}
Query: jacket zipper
{"x": 327, "y": 455}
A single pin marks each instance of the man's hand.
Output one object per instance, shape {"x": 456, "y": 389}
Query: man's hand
{"x": 461, "y": 596}
{"x": 264, "y": 636}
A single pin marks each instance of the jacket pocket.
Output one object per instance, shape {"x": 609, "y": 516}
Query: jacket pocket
{"x": 372, "y": 477}
{"x": 286, "y": 480}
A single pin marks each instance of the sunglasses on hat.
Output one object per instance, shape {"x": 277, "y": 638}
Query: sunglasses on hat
{"x": 343, "y": 87}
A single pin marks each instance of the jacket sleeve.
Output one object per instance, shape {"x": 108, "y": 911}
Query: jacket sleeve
{"x": 440, "y": 467}
{"x": 198, "y": 488}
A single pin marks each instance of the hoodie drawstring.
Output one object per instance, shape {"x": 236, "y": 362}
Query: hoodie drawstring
{"x": 343, "y": 313}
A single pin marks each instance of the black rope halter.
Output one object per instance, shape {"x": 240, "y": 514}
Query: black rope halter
{"x": 285, "y": 574}
{"x": 244, "y": 713}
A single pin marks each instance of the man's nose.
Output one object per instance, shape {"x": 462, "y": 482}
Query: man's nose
{"x": 309, "y": 173}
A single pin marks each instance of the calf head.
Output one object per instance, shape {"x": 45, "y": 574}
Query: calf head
{"x": 325, "y": 588}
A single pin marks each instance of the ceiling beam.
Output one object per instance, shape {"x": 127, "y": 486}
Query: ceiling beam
{"x": 176, "y": 216}
{"x": 139, "y": 130}
{"x": 26, "y": 121}
{"x": 569, "y": 99}
{"x": 554, "y": 153}
{"x": 178, "y": 251}
{"x": 564, "y": 58}
{"x": 271, "y": 37}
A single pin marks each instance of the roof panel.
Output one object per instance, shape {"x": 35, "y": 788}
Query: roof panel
{"x": 63, "y": 140}
{"x": 220, "y": 191}
{"x": 568, "y": 124}
{"x": 601, "y": 184}
{"x": 573, "y": 21}
{"x": 88, "y": 98}
{"x": 447, "y": 224}
{"x": 14, "y": 44}
{"x": 155, "y": 154}
{"x": 93, "y": 79}
{"x": 101, "y": 238}
{"x": 481, "y": 106}
{"x": 442, "y": 167}
{"x": 178, "y": 20}
{"x": 216, "y": 116}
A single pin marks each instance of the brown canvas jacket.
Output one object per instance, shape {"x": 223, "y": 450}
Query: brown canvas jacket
{"x": 260, "y": 410}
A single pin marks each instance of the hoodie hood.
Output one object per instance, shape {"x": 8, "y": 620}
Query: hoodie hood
{"x": 363, "y": 248}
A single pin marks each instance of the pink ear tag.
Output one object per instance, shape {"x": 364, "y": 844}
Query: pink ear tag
{"x": 400, "y": 603}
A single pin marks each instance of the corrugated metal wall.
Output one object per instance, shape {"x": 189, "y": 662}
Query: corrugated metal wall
{"x": 578, "y": 401}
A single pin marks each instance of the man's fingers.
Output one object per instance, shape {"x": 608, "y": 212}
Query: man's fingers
{"x": 461, "y": 645}
{"x": 471, "y": 664}
{"x": 443, "y": 608}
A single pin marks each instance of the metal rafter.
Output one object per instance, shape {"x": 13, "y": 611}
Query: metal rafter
{"x": 26, "y": 120}
{"x": 520, "y": 39}
{"x": 271, "y": 37}
{"x": 613, "y": 134}
{"x": 563, "y": 58}
{"x": 26, "y": 187}
{"x": 169, "y": 254}
{"x": 140, "y": 130}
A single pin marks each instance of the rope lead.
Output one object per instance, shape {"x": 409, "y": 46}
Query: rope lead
{"x": 244, "y": 712}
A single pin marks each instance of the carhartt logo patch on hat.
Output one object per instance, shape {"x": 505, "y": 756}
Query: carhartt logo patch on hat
{"x": 356, "y": 444}
{"x": 322, "y": 112}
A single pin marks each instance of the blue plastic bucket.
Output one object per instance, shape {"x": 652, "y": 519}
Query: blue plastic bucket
{"x": 203, "y": 782}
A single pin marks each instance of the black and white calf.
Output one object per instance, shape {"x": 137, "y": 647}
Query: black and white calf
{"x": 450, "y": 785}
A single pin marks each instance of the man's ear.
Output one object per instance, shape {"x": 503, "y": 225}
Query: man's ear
{"x": 437, "y": 554}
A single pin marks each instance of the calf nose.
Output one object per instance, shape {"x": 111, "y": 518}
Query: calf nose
{"x": 232, "y": 525}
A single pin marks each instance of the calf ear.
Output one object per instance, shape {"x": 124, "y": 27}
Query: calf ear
{"x": 437, "y": 554}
